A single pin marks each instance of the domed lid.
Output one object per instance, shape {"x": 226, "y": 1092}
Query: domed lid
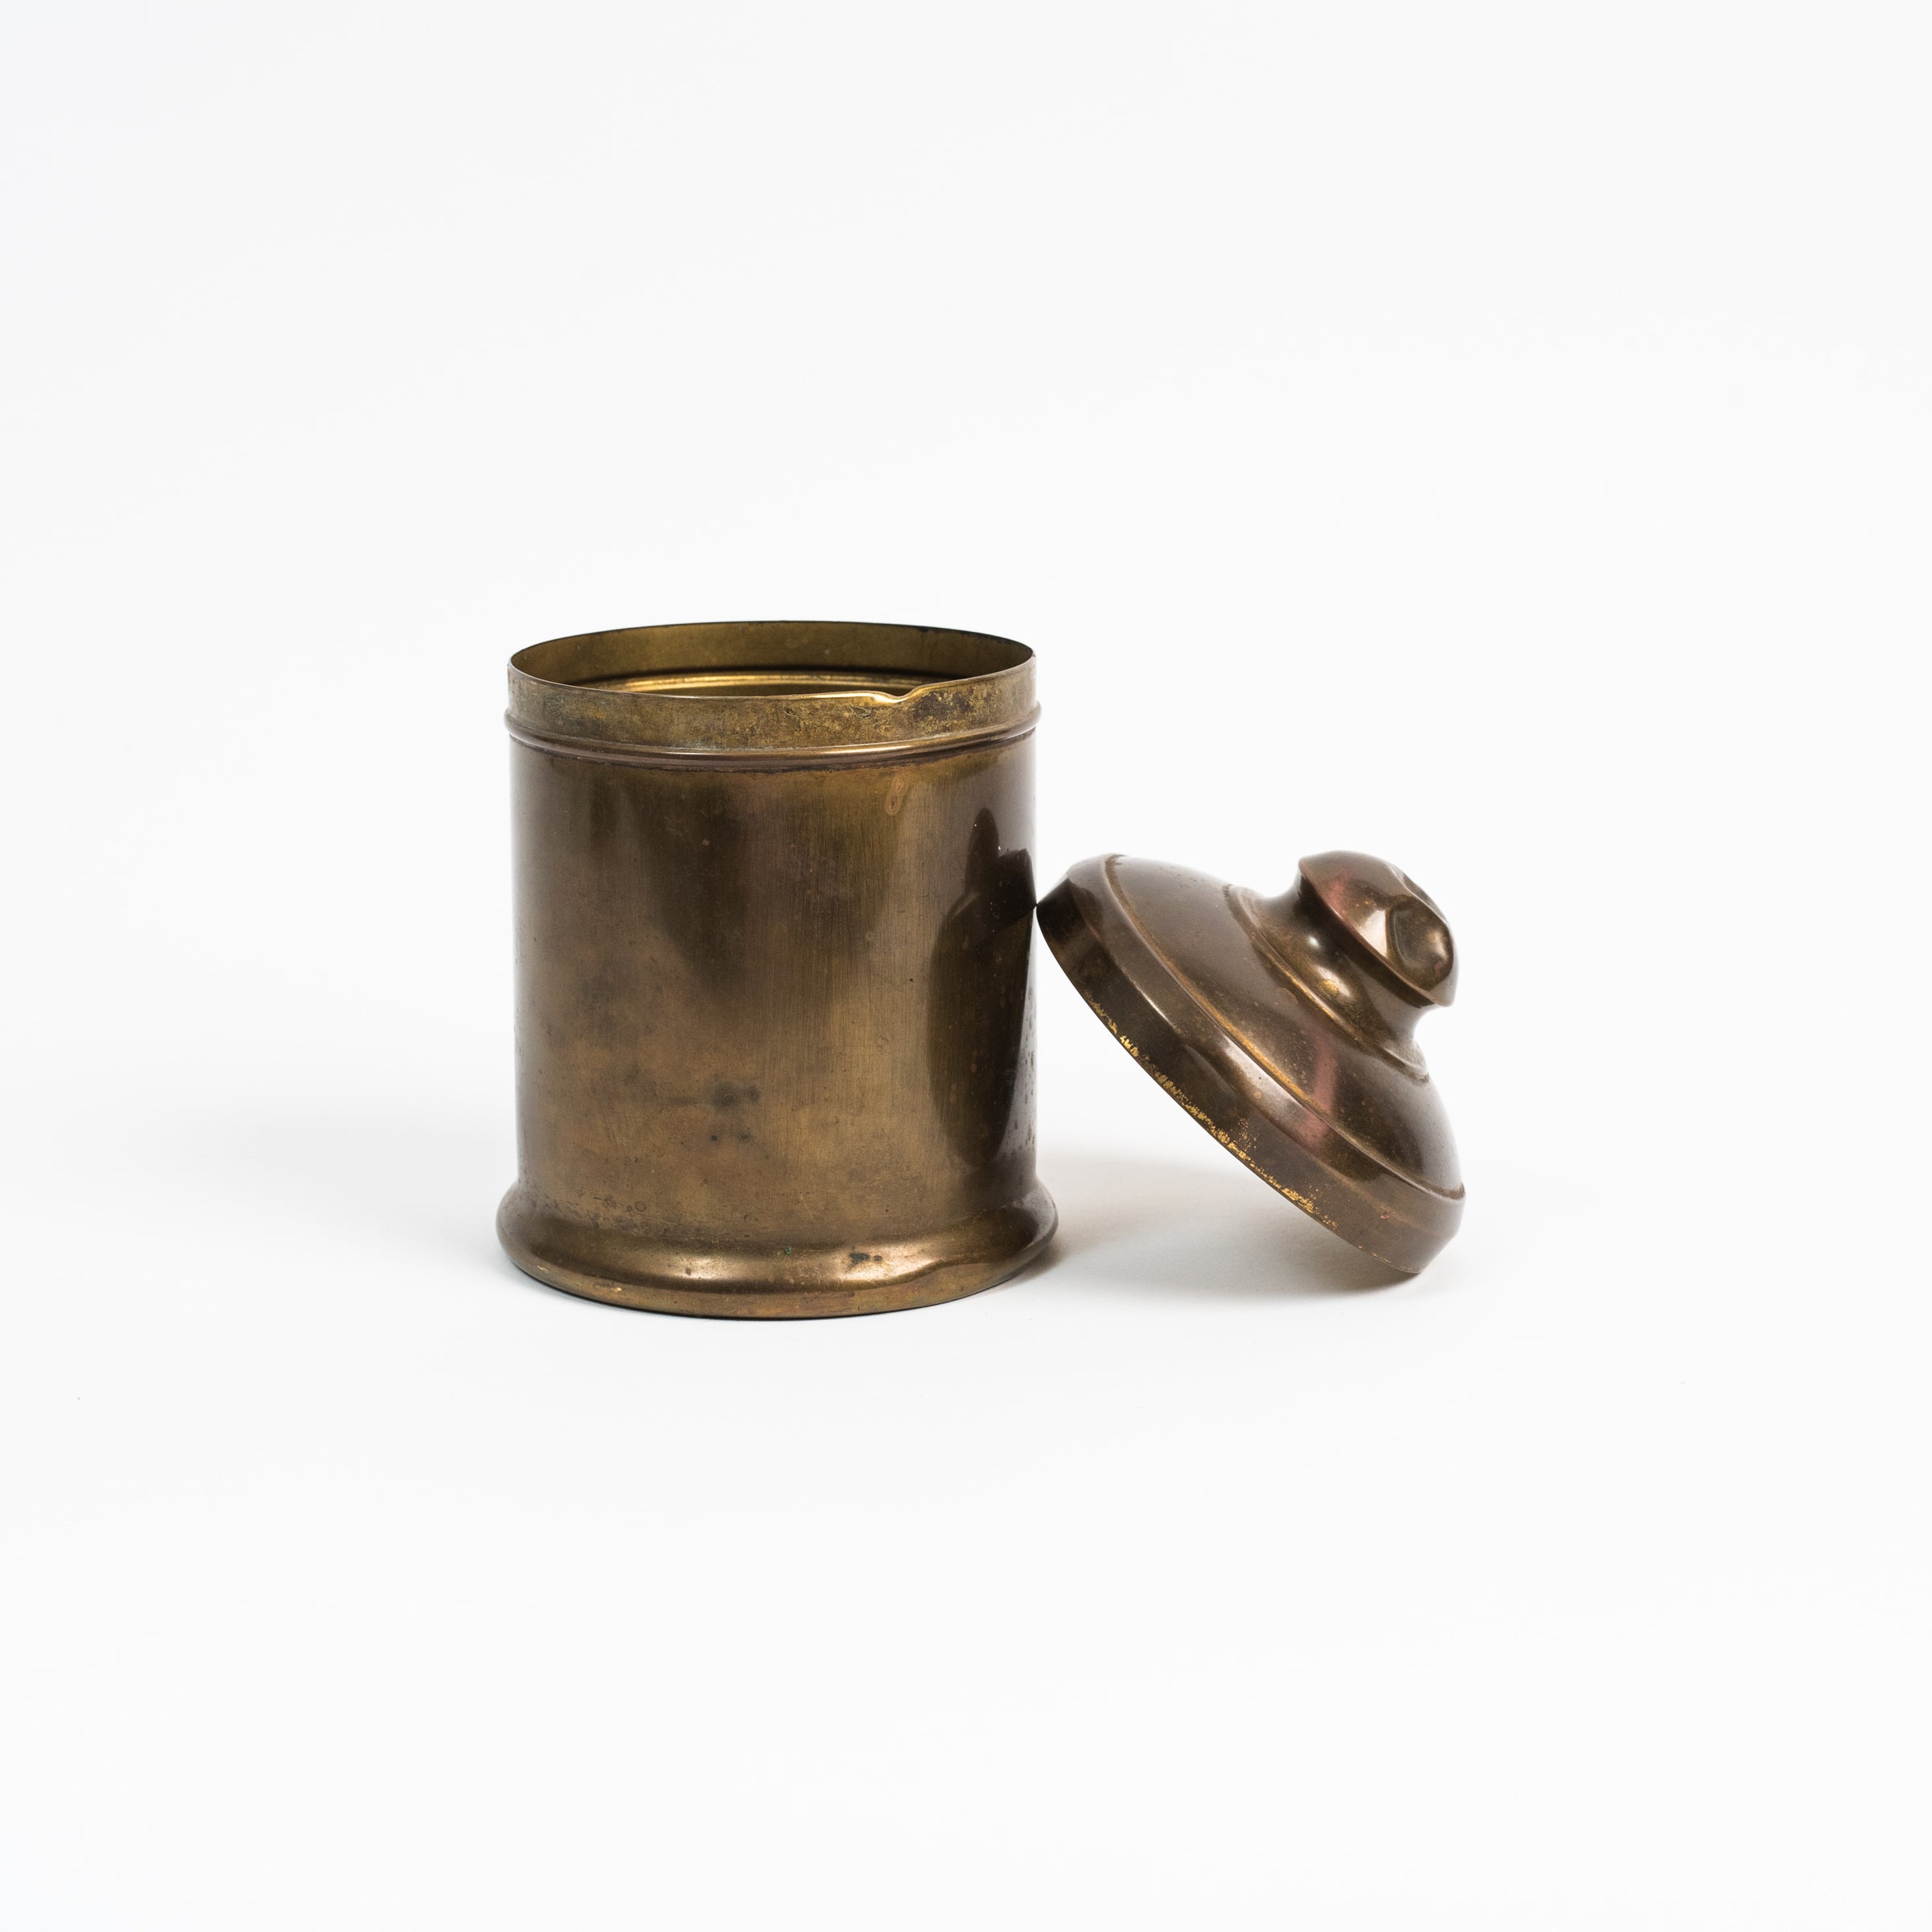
{"x": 1285, "y": 1026}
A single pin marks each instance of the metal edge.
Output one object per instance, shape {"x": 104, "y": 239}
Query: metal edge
{"x": 602, "y": 751}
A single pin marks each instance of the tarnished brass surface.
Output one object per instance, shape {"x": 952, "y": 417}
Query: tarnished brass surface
{"x": 1285, "y": 1026}
{"x": 775, "y": 895}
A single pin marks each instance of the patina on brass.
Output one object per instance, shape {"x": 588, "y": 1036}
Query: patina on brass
{"x": 1285, "y": 1026}
{"x": 775, "y": 897}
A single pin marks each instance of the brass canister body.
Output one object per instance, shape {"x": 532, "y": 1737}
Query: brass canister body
{"x": 773, "y": 913}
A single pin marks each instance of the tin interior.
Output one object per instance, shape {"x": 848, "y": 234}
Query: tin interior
{"x": 770, "y": 681}
{"x": 769, "y": 660}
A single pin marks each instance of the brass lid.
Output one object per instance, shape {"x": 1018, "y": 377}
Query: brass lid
{"x": 1285, "y": 1026}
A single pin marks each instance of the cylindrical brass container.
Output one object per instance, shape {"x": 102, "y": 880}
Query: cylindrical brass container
{"x": 775, "y": 1026}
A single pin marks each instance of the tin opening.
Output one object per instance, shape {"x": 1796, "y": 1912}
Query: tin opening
{"x": 876, "y": 663}
{"x": 795, "y": 687}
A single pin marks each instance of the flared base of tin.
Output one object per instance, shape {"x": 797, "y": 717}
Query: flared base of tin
{"x": 633, "y": 1271}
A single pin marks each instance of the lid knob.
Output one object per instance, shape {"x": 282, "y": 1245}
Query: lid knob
{"x": 1390, "y": 917}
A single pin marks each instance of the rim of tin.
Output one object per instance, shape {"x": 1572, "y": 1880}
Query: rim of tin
{"x": 769, "y": 689}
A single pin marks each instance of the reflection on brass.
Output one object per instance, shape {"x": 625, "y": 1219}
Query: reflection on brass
{"x": 1285, "y": 1026}
{"x": 774, "y": 894}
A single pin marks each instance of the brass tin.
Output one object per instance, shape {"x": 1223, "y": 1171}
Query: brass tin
{"x": 774, "y": 911}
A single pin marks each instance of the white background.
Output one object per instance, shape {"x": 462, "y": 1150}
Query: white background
{"x": 1497, "y": 437}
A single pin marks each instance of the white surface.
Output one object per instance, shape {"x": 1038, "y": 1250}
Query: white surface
{"x": 1493, "y": 437}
